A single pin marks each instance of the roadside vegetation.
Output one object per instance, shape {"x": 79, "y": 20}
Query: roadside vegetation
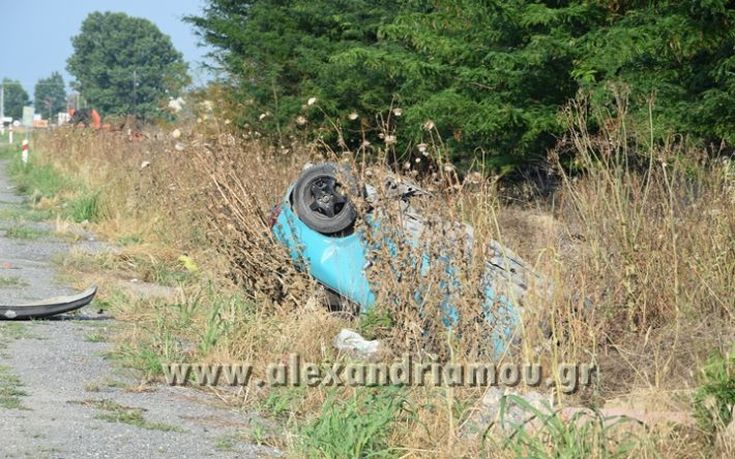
{"x": 592, "y": 137}
{"x": 11, "y": 281}
{"x": 11, "y": 388}
{"x": 635, "y": 235}
{"x": 112, "y": 411}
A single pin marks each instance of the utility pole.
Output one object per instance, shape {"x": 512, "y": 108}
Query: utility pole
{"x": 2, "y": 101}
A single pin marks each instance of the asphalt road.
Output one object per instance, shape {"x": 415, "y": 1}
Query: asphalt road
{"x": 61, "y": 398}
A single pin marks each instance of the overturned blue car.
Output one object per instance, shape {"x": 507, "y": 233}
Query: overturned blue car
{"x": 315, "y": 221}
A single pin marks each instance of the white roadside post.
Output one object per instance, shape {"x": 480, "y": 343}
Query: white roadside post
{"x": 28, "y": 113}
{"x": 24, "y": 152}
{"x": 10, "y": 134}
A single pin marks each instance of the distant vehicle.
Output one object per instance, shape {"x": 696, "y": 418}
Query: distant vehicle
{"x": 314, "y": 222}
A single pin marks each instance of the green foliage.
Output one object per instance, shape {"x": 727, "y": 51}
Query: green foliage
{"x": 374, "y": 321}
{"x": 36, "y": 180}
{"x": 354, "y": 428}
{"x": 15, "y": 98}
{"x": 492, "y": 76}
{"x": 714, "y": 399}
{"x": 39, "y": 180}
{"x": 112, "y": 411}
{"x": 586, "y": 434}
{"x": 49, "y": 97}
{"x": 10, "y": 391}
{"x": 85, "y": 207}
{"x": 681, "y": 53}
{"x": 281, "y": 401}
{"x": 24, "y": 232}
{"x": 7, "y": 151}
{"x": 278, "y": 54}
{"x": 125, "y": 65}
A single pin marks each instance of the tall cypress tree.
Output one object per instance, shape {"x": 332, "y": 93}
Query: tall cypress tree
{"x": 278, "y": 53}
{"x": 491, "y": 75}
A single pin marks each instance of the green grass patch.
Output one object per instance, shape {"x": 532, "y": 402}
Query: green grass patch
{"x": 584, "y": 435}
{"x": 25, "y": 232}
{"x": 149, "y": 356}
{"x": 8, "y": 152}
{"x": 10, "y": 389}
{"x": 374, "y": 322}
{"x": 170, "y": 275}
{"x": 95, "y": 338}
{"x": 114, "y": 384}
{"x": 117, "y": 413}
{"x": 10, "y": 331}
{"x": 256, "y": 434}
{"x": 85, "y": 207}
{"x": 715, "y": 397}
{"x": 355, "y": 428}
{"x": 282, "y": 400}
{"x": 36, "y": 180}
{"x": 226, "y": 442}
{"x": 23, "y": 214}
{"x": 170, "y": 337}
{"x": 129, "y": 239}
{"x": 11, "y": 281}
{"x": 13, "y": 330}
{"x": 43, "y": 181}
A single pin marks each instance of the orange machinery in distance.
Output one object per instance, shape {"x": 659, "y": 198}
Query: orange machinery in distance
{"x": 85, "y": 117}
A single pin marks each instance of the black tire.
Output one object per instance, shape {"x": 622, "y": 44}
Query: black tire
{"x": 318, "y": 201}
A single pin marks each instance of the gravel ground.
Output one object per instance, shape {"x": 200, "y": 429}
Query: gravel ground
{"x": 70, "y": 400}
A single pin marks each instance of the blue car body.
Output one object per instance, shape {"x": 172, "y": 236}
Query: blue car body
{"x": 339, "y": 263}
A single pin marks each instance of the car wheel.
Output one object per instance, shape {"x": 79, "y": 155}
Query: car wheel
{"x": 318, "y": 199}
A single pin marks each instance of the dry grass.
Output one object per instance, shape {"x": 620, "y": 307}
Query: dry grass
{"x": 645, "y": 235}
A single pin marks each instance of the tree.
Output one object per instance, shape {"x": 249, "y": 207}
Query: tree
{"x": 278, "y": 56}
{"x": 680, "y": 54}
{"x": 492, "y": 76}
{"x": 50, "y": 95}
{"x": 15, "y": 98}
{"x": 125, "y": 65}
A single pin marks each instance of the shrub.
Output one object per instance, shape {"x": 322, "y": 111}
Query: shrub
{"x": 714, "y": 399}
{"x": 354, "y": 428}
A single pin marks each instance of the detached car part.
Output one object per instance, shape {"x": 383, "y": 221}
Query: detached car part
{"x": 49, "y": 307}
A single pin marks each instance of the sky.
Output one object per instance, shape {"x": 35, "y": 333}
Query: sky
{"x": 35, "y": 35}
